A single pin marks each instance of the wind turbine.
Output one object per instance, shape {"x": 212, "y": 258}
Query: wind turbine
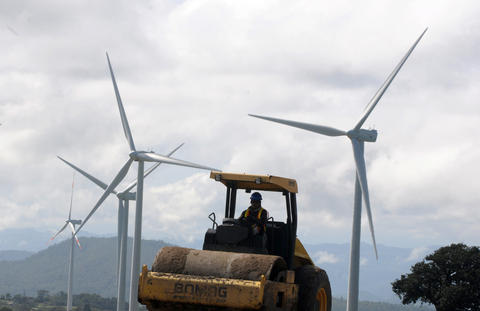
{"x": 357, "y": 136}
{"x": 70, "y": 222}
{"x": 122, "y": 231}
{"x": 140, "y": 157}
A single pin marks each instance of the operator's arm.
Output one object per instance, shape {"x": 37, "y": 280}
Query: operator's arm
{"x": 242, "y": 216}
{"x": 263, "y": 220}
{"x": 264, "y": 216}
{"x": 244, "y": 220}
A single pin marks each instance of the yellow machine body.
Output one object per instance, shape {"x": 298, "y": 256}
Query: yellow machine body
{"x": 232, "y": 276}
{"x": 165, "y": 291}
{"x": 256, "y": 182}
{"x": 301, "y": 256}
{"x": 180, "y": 288}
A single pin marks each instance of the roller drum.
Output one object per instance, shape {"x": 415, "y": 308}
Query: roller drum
{"x": 240, "y": 266}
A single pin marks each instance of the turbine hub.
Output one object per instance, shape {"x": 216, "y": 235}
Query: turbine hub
{"x": 134, "y": 155}
{"x": 363, "y": 135}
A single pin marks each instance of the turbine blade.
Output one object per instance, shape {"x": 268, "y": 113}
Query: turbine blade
{"x": 121, "y": 174}
{"x": 154, "y": 157}
{"x": 150, "y": 170}
{"x": 96, "y": 181}
{"x": 362, "y": 177}
{"x": 123, "y": 116}
{"x": 320, "y": 129}
{"x": 174, "y": 150}
{"x": 75, "y": 235}
{"x": 373, "y": 102}
{"x": 59, "y": 231}
{"x": 71, "y": 197}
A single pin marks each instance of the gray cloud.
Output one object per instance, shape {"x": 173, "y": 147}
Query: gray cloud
{"x": 191, "y": 71}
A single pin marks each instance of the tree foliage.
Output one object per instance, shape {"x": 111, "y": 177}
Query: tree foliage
{"x": 449, "y": 279}
{"x": 42, "y": 295}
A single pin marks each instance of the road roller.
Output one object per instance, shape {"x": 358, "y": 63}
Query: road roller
{"x": 237, "y": 270}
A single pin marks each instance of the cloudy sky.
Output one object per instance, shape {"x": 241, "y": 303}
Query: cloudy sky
{"x": 191, "y": 71}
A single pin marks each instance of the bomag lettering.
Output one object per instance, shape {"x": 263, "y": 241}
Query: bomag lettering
{"x": 200, "y": 290}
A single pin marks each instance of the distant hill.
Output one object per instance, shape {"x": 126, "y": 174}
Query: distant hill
{"x": 31, "y": 240}
{"x": 24, "y": 239}
{"x": 14, "y": 255}
{"x": 95, "y": 268}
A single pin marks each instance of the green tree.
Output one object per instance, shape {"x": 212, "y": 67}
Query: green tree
{"x": 42, "y": 295}
{"x": 59, "y": 299}
{"x": 19, "y": 299}
{"x": 95, "y": 301}
{"x": 449, "y": 279}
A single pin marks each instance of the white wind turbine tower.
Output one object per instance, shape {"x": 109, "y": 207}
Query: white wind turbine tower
{"x": 357, "y": 136}
{"x": 140, "y": 157}
{"x": 70, "y": 222}
{"x": 124, "y": 197}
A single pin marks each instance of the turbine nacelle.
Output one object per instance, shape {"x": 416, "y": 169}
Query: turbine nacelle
{"x": 130, "y": 196}
{"x": 148, "y": 156}
{"x": 363, "y": 135}
{"x": 137, "y": 155}
{"x": 145, "y": 156}
{"x": 75, "y": 221}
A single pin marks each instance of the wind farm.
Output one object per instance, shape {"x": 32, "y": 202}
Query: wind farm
{"x": 210, "y": 74}
{"x": 222, "y": 238}
{"x": 323, "y": 299}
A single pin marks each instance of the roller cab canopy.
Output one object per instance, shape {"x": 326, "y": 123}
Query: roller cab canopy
{"x": 281, "y": 235}
{"x": 256, "y": 182}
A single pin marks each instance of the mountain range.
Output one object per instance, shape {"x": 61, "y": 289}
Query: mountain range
{"x": 95, "y": 268}
{"x": 26, "y": 270}
{"x": 13, "y": 255}
{"x": 30, "y": 240}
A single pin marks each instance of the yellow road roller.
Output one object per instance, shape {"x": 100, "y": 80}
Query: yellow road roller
{"x": 238, "y": 270}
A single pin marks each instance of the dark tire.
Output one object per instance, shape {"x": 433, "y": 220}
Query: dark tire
{"x": 315, "y": 293}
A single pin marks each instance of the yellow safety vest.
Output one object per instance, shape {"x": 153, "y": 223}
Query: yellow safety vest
{"x": 259, "y": 216}
{"x": 247, "y": 213}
